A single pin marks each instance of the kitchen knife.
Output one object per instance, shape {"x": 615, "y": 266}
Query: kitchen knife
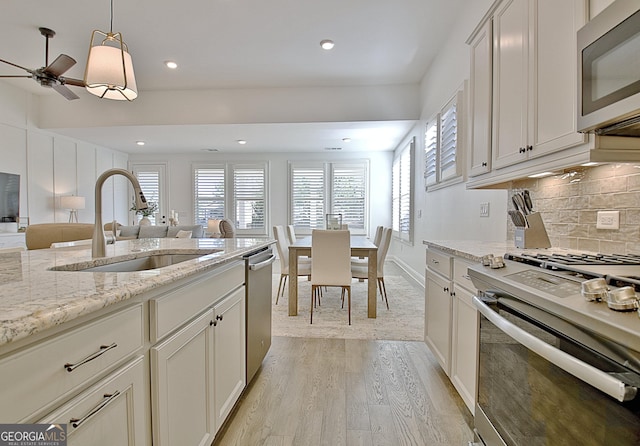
{"x": 527, "y": 201}
{"x": 519, "y": 203}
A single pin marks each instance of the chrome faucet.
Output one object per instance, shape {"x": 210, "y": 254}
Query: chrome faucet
{"x": 99, "y": 243}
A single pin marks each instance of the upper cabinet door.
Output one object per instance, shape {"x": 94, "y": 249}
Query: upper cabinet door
{"x": 480, "y": 102}
{"x": 511, "y": 77}
{"x": 554, "y": 67}
{"x": 535, "y": 78}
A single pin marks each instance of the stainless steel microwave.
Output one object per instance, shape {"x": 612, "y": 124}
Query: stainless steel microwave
{"x": 609, "y": 71}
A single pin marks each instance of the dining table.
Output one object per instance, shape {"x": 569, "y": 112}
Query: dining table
{"x": 361, "y": 247}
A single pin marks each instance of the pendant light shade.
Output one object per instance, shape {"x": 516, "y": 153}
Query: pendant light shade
{"x": 109, "y": 72}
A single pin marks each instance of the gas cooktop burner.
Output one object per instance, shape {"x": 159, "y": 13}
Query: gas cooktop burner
{"x": 575, "y": 259}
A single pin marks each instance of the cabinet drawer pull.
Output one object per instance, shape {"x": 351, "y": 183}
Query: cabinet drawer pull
{"x": 466, "y": 276}
{"x": 103, "y": 349}
{"x": 76, "y": 422}
{"x": 219, "y": 317}
{"x": 434, "y": 261}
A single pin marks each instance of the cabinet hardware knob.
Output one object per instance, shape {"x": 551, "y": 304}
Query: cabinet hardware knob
{"x": 522, "y": 150}
{"x": 484, "y": 164}
{"x": 219, "y": 317}
{"x": 446, "y": 289}
{"x": 434, "y": 261}
{"x": 213, "y": 323}
{"x": 453, "y": 294}
{"x": 529, "y": 148}
{"x": 103, "y": 349}
{"x": 76, "y": 422}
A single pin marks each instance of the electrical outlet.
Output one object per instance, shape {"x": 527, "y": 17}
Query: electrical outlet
{"x": 484, "y": 209}
{"x": 608, "y": 220}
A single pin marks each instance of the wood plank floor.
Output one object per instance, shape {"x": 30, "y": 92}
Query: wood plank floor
{"x": 349, "y": 392}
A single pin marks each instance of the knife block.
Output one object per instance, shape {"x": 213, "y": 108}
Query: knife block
{"x": 533, "y": 236}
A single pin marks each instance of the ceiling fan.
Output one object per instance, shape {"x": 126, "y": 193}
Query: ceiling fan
{"x": 51, "y": 74}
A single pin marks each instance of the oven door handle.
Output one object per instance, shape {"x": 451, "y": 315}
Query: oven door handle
{"x": 581, "y": 370}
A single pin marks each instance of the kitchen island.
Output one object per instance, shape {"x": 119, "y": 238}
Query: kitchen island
{"x": 108, "y": 352}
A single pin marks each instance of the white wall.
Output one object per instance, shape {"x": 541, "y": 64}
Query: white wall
{"x": 179, "y": 171}
{"x": 451, "y": 213}
{"x": 51, "y": 166}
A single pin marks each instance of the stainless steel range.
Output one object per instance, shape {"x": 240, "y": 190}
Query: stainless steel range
{"x": 557, "y": 365}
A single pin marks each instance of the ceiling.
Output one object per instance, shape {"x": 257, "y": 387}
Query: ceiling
{"x": 234, "y": 46}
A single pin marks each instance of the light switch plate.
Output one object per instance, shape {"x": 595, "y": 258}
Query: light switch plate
{"x": 608, "y": 220}
{"x": 484, "y": 209}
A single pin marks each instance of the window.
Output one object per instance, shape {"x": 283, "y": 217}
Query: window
{"x": 209, "y": 194}
{"x": 441, "y": 144}
{"x": 234, "y": 191}
{"x": 401, "y": 191}
{"x": 249, "y": 197}
{"x": 152, "y": 181}
{"x": 318, "y": 189}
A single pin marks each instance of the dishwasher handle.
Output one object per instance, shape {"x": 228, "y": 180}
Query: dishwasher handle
{"x": 260, "y": 265}
{"x": 581, "y": 370}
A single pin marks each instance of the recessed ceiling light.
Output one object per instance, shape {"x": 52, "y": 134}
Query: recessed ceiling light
{"x": 211, "y": 150}
{"x": 171, "y": 64}
{"x": 140, "y": 143}
{"x": 333, "y": 148}
{"x": 346, "y": 139}
{"x": 327, "y": 44}
{"x": 242, "y": 141}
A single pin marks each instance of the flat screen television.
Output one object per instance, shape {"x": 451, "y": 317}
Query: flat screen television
{"x": 9, "y": 197}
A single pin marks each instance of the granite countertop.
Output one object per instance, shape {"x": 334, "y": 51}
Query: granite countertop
{"x": 34, "y": 298}
{"x": 472, "y": 250}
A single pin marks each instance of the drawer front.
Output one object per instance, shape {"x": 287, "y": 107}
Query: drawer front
{"x": 460, "y": 274}
{"x": 112, "y": 412}
{"x": 440, "y": 262}
{"x": 171, "y": 310}
{"x": 35, "y": 378}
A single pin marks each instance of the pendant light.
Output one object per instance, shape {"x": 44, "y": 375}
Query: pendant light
{"x": 109, "y": 71}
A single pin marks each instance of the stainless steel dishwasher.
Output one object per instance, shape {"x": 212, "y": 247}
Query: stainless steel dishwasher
{"x": 258, "y": 276}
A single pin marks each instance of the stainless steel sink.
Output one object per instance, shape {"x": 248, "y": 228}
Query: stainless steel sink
{"x": 153, "y": 261}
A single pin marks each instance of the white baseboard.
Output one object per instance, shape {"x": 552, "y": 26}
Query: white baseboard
{"x": 413, "y": 274}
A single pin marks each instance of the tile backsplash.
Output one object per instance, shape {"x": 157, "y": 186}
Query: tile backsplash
{"x": 569, "y": 204}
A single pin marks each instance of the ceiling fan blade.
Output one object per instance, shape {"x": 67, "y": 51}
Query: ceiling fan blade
{"x": 64, "y": 91}
{"x": 16, "y": 65}
{"x": 14, "y": 75}
{"x": 60, "y": 65}
{"x": 72, "y": 81}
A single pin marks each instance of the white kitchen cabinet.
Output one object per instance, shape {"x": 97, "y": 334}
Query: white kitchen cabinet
{"x": 534, "y": 79}
{"x": 64, "y": 364}
{"x": 199, "y": 371}
{"x": 229, "y": 353}
{"x": 439, "y": 307}
{"x": 451, "y": 321}
{"x": 112, "y": 412}
{"x": 464, "y": 335}
{"x": 480, "y": 101}
{"x": 182, "y": 385}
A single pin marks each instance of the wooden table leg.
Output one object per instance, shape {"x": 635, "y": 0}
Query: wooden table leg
{"x": 372, "y": 279}
{"x": 293, "y": 281}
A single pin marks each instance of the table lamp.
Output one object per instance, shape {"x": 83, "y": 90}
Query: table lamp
{"x": 73, "y": 203}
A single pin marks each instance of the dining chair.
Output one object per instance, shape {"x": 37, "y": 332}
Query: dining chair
{"x": 291, "y": 234}
{"x": 282, "y": 244}
{"x": 361, "y": 261}
{"x": 330, "y": 264}
{"x": 360, "y": 271}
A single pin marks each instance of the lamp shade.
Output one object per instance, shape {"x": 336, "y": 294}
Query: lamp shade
{"x": 72, "y": 202}
{"x": 109, "y": 71}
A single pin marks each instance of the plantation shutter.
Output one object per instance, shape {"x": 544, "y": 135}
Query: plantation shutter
{"x": 349, "y": 194}
{"x": 150, "y": 178}
{"x": 307, "y": 197}
{"x": 430, "y": 152}
{"x": 249, "y": 197}
{"x": 209, "y": 194}
{"x": 448, "y": 141}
